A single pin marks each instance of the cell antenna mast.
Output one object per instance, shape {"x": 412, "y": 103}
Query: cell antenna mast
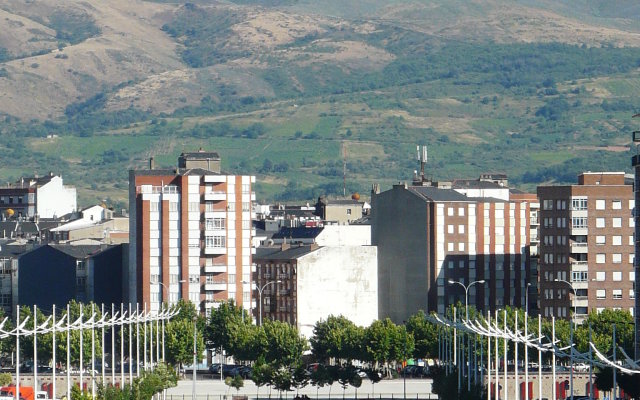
{"x": 422, "y": 157}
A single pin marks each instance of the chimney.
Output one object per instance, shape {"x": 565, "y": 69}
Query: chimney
{"x": 151, "y": 163}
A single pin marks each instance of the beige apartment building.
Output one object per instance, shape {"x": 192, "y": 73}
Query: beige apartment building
{"x": 587, "y": 246}
{"x": 190, "y": 234}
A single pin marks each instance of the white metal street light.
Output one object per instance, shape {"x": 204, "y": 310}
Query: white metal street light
{"x": 260, "y": 289}
{"x": 466, "y": 293}
{"x": 572, "y": 326}
{"x": 466, "y": 310}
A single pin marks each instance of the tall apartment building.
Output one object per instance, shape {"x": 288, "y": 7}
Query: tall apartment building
{"x": 190, "y": 234}
{"x": 465, "y": 231}
{"x": 586, "y": 239}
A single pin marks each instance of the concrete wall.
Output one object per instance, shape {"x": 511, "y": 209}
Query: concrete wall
{"x": 55, "y": 199}
{"x": 337, "y": 281}
{"x": 399, "y": 230}
{"x": 345, "y": 235}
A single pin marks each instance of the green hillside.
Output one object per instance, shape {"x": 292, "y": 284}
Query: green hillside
{"x": 291, "y": 89}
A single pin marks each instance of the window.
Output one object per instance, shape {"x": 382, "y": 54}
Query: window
{"x": 600, "y": 223}
{"x": 231, "y": 278}
{"x": 547, "y": 205}
{"x": 450, "y": 211}
{"x": 579, "y": 222}
{"x": 194, "y": 278}
{"x": 461, "y": 212}
{"x": 449, "y": 228}
{"x": 617, "y": 276}
{"x": 601, "y": 239}
{"x": 231, "y": 207}
{"x": 208, "y": 206}
{"x": 246, "y": 188}
{"x": 450, "y": 246}
{"x": 154, "y": 278}
{"x": 632, "y": 223}
{"x": 561, "y": 222}
{"x": 631, "y": 240}
{"x": 631, "y": 258}
{"x": 154, "y": 206}
{"x": 173, "y": 206}
{"x": 194, "y": 206}
{"x": 579, "y": 204}
{"x": 460, "y": 246}
{"x": 616, "y": 205}
{"x": 579, "y": 276}
{"x": 616, "y": 240}
{"x": 246, "y": 206}
{"x": 600, "y": 204}
{"x": 632, "y": 294}
{"x": 600, "y": 276}
{"x": 450, "y": 264}
{"x": 617, "y": 258}
{"x": 601, "y": 294}
{"x": 246, "y": 224}
{"x": 219, "y": 241}
{"x": 348, "y": 209}
{"x": 460, "y": 228}
{"x": 617, "y": 222}
{"x": 617, "y": 294}
{"x": 632, "y": 276}
{"x": 561, "y": 205}
{"x": 600, "y": 258}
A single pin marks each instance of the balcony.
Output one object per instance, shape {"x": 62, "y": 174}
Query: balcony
{"x": 215, "y": 250}
{"x": 580, "y": 285}
{"x": 579, "y": 247}
{"x": 215, "y": 287}
{"x": 215, "y": 178}
{"x": 217, "y": 195}
{"x": 577, "y": 231}
{"x": 215, "y": 268}
{"x": 580, "y": 301}
{"x": 579, "y": 266}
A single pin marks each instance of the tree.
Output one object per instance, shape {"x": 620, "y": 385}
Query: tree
{"x": 261, "y": 374}
{"x": 425, "y": 335}
{"x": 285, "y": 344}
{"x": 387, "y": 342}
{"x": 222, "y": 321}
{"x": 236, "y": 382}
{"x": 179, "y": 341}
{"x": 338, "y": 338}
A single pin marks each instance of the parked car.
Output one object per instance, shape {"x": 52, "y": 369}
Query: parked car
{"x": 227, "y": 368}
{"x": 244, "y": 371}
{"x": 214, "y": 368}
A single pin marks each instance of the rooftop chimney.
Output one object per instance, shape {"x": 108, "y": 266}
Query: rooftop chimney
{"x": 151, "y": 163}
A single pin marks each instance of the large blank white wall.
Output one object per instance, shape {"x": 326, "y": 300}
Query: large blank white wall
{"x": 54, "y": 199}
{"x": 345, "y": 235}
{"x": 337, "y": 281}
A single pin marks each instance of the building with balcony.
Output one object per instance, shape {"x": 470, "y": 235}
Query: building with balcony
{"x": 464, "y": 231}
{"x": 587, "y": 246}
{"x": 190, "y": 234}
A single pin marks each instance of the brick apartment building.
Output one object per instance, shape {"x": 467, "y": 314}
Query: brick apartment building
{"x": 465, "y": 231}
{"x": 586, "y": 239}
{"x": 190, "y": 234}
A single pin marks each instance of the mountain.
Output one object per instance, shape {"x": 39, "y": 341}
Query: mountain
{"x": 294, "y": 89}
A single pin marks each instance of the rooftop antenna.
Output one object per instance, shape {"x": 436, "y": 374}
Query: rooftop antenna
{"x": 422, "y": 157}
